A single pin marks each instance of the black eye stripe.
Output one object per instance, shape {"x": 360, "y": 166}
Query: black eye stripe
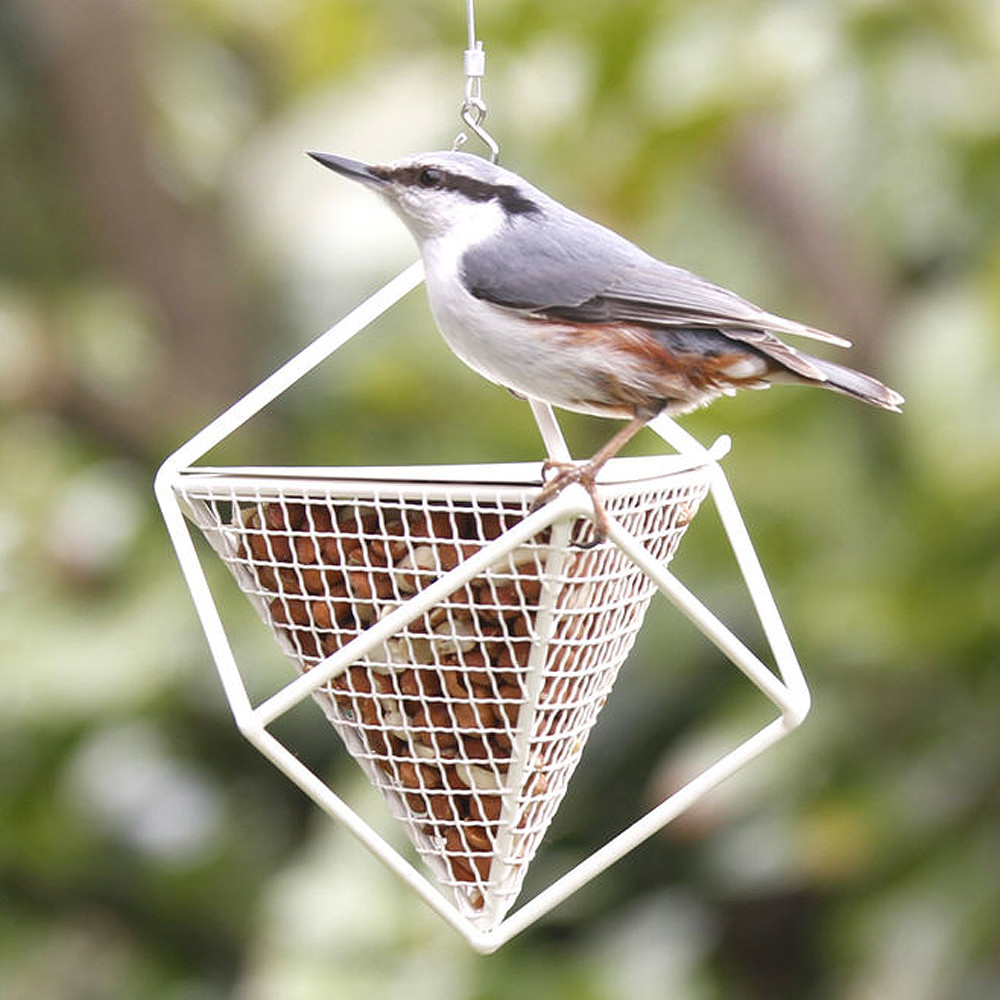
{"x": 509, "y": 197}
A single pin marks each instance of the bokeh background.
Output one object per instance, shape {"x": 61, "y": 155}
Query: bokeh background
{"x": 164, "y": 244}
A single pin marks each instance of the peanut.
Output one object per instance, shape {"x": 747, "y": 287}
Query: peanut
{"x": 486, "y": 807}
{"x": 288, "y": 515}
{"x": 307, "y": 644}
{"x": 441, "y": 807}
{"x": 360, "y": 585}
{"x": 313, "y": 581}
{"x": 454, "y": 683}
{"x": 457, "y": 635}
{"x": 287, "y": 611}
{"x": 319, "y": 517}
{"x": 267, "y": 577}
{"x": 322, "y": 614}
{"x": 306, "y": 550}
{"x": 275, "y": 548}
{"x": 684, "y": 513}
{"x": 408, "y": 774}
{"x": 478, "y": 837}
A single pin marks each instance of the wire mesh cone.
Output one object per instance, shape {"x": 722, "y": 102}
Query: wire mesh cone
{"x": 471, "y": 718}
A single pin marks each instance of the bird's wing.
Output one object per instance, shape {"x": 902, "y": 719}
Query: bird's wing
{"x": 540, "y": 264}
{"x": 655, "y": 292}
{"x": 583, "y": 273}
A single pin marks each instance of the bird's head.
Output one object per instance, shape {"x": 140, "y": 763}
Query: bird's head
{"x": 443, "y": 193}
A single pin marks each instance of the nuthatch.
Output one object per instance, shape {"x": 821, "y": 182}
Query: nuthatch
{"x": 556, "y": 307}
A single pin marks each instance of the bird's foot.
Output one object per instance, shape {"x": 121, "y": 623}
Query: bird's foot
{"x": 567, "y": 474}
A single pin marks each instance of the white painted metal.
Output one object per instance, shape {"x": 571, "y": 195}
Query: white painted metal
{"x": 182, "y": 489}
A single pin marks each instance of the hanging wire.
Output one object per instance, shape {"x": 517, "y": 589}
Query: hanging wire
{"x": 473, "y": 110}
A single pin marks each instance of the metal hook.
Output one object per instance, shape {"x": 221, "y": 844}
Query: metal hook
{"x": 473, "y": 113}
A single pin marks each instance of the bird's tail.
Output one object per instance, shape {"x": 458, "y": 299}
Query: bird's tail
{"x": 856, "y": 384}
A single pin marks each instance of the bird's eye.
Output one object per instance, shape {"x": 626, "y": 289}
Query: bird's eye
{"x": 429, "y": 178}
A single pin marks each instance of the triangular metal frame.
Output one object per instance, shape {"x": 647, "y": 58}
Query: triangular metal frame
{"x": 786, "y": 690}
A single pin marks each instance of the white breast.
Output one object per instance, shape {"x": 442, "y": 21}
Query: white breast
{"x": 530, "y": 356}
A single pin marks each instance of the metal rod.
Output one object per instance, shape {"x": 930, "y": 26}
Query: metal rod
{"x": 703, "y": 619}
{"x": 320, "y": 793}
{"x": 548, "y": 427}
{"x": 638, "y": 832}
{"x": 293, "y": 369}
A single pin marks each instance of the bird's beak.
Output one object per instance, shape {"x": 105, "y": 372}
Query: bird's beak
{"x": 354, "y": 169}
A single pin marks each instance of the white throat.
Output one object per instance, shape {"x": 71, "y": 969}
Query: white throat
{"x": 439, "y": 243}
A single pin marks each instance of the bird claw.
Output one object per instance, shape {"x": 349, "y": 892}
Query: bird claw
{"x": 562, "y": 467}
{"x": 582, "y": 475}
{"x": 568, "y": 472}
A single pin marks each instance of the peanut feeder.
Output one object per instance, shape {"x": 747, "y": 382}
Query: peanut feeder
{"x": 460, "y": 645}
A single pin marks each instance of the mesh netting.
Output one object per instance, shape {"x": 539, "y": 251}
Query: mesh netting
{"x": 472, "y": 717}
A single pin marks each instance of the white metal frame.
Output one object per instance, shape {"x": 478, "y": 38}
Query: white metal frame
{"x": 786, "y": 688}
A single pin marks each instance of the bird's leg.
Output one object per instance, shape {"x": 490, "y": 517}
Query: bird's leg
{"x": 586, "y": 475}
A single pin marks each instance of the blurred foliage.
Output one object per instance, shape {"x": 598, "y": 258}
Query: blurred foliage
{"x": 165, "y": 244}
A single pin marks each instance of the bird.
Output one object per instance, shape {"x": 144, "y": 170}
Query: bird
{"x": 557, "y": 307}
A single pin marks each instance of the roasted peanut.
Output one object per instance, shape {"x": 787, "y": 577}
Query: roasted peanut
{"x": 354, "y": 679}
{"x": 258, "y": 547}
{"x": 267, "y": 577}
{"x": 409, "y": 687}
{"x": 287, "y": 611}
{"x": 451, "y": 554}
{"x": 322, "y": 614}
{"x": 486, "y": 807}
{"x": 460, "y": 867}
{"x": 477, "y": 837}
{"x": 446, "y": 742}
{"x": 443, "y": 729}
{"x": 454, "y": 683}
{"x": 432, "y": 524}
{"x": 319, "y": 518}
{"x": 490, "y": 526}
{"x": 284, "y": 515}
{"x": 360, "y": 585}
{"x": 416, "y": 568}
{"x": 453, "y": 840}
{"x": 314, "y": 581}
{"x": 475, "y": 715}
{"x": 306, "y": 643}
{"x": 376, "y": 742}
{"x": 439, "y": 805}
{"x": 336, "y": 550}
{"x": 476, "y": 666}
{"x": 408, "y": 774}
{"x": 537, "y": 784}
{"x": 474, "y": 746}
{"x": 466, "y": 716}
{"x": 358, "y": 521}
{"x": 513, "y": 656}
{"x": 367, "y": 711}
{"x": 455, "y": 636}
{"x": 275, "y": 547}
{"x": 684, "y": 513}
{"x": 306, "y": 550}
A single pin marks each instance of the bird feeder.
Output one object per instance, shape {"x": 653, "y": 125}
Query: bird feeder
{"x": 461, "y": 644}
